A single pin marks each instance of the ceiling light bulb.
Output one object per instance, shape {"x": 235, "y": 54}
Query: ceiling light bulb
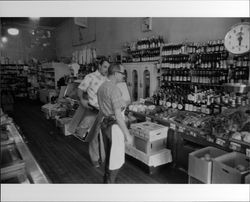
{"x": 13, "y": 31}
{"x": 4, "y": 39}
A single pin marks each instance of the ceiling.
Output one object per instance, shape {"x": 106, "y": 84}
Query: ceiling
{"x": 52, "y": 22}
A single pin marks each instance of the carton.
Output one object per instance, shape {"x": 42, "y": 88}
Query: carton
{"x": 149, "y": 147}
{"x": 247, "y": 179}
{"x": 200, "y": 168}
{"x": 63, "y": 124}
{"x": 225, "y": 168}
{"x": 149, "y": 131}
{"x": 155, "y": 159}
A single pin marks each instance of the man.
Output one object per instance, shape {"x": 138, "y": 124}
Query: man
{"x": 114, "y": 129}
{"x": 90, "y": 84}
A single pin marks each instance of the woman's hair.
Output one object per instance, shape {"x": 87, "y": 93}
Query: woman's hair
{"x": 113, "y": 68}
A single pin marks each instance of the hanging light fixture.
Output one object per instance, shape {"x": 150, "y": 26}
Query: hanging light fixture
{"x": 13, "y": 31}
{"x": 4, "y": 39}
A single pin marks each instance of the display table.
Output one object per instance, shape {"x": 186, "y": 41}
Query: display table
{"x": 33, "y": 171}
{"x": 183, "y": 139}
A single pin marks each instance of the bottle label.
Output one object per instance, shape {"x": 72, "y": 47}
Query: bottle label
{"x": 174, "y": 105}
{"x": 191, "y": 108}
{"x": 220, "y": 142}
{"x": 168, "y": 104}
{"x": 180, "y": 106}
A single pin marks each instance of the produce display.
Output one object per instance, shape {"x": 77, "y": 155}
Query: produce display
{"x": 231, "y": 124}
{"x": 242, "y": 136}
{"x": 206, "y": 157}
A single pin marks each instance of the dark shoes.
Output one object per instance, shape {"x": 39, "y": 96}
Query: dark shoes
{"x": 96, "y": 164}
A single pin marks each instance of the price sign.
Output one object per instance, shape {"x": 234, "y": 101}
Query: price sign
{"x": 248, "y": 152}
{"x": 220, "y": 142}
{"x": 173, "y": 126}
{"x": 209, "y": 139}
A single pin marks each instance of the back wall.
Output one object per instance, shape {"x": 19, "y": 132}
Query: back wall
{"x": 112, "y": 33}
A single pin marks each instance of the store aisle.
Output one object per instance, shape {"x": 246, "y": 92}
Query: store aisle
{"x": 66, "y": 160}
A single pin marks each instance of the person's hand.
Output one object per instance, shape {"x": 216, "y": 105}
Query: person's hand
{"x": 85, "y": 104}
{"x": 129, "y": 139}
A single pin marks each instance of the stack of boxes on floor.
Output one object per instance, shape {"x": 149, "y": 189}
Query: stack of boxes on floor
{"x": 62, "y": 111}
{"x": 149, "y": 144}
{"x": 216, "y": 166}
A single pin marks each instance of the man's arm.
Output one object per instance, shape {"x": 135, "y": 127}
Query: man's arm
{"x": 82, "y": 88}
{"x": 122, "y": 124}
{"x": 84, "y": 102}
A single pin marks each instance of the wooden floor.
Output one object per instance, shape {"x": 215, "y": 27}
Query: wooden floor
{"x": 65, "y": 159}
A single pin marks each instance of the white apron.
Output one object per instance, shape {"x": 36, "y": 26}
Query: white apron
{"x": 117, "y": 152}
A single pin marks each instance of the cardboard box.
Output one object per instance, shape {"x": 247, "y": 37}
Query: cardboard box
{"x": 198, "y": 167}
{"x": 61, "y": 112}
{"x": 149, "y": 147}
{"x": 149, "y": 131}
{"x": 247, "y": 179}
{"x": 225, "y": 168}
{"x": 192, "y": 180}
{"x": 155, "y": 159}
{"x": 63, "y": 124}
{"x": 47, "y": 109}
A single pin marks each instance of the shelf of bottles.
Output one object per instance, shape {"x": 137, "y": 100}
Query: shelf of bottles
{"x": 175, "y": 64}
{"x": 11, "y": 78}
{"x": 210, "y": 64}
{"x": 144, "y": 50}
{"x": 239, "y": 69}
{"x": 192, "y": 76}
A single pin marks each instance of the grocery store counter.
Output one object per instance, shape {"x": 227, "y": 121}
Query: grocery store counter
{"x": 33, "y": 170}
